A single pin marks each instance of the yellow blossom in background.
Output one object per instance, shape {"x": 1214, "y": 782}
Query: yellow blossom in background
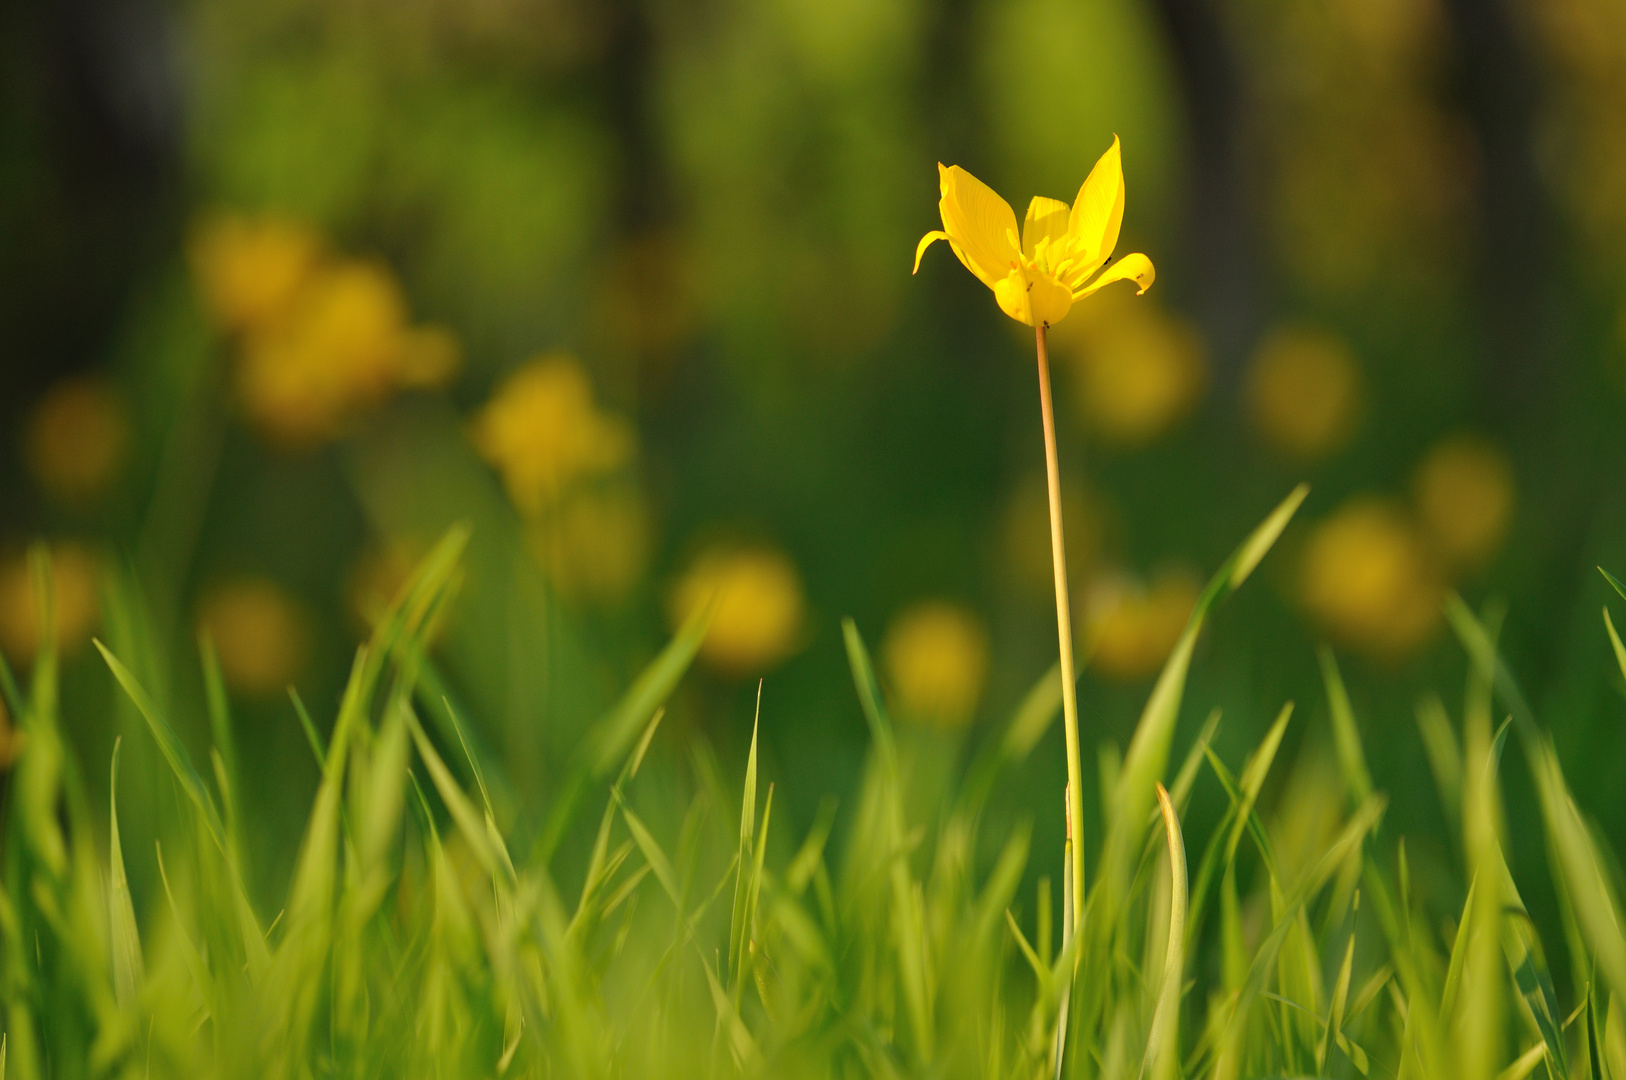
{"x": 11, "y": 739}
{"x": 1130, "y": 627}
{"x": 261, "y": 635}
{"x": 759, "y": 608}
{"x": 75, "y": 574}
{"x": 319, "y": 338}
{"x": 1366, "y": 578}
{"x": 1464, "y": 494}
{"x": 1025, "y": 533}
{"x": 77, "y": 439}
{"x": 1037, "y": 276}
{"x": 1303, "y": 391}
{"x": 1140, "y": 371}
{"x": 595, "y": 545}
{"x": 935, "y": 655}
{"x": 378, "y": 574}
{"x": 342, "y": 347}
{"x": 250, "y": 269}
{"x": 543, "y": 432}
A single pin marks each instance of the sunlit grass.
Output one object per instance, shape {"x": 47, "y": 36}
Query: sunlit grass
{"x": 614, "y": 927}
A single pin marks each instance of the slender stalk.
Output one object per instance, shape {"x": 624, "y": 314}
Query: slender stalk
{"x": 1064, "y": 632}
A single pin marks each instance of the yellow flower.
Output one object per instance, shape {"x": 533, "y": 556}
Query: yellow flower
{"x": 758, "y": 607}
{"x": 74, "y": 591}
{"x": 1130, "y": 627}
{"x": 596, "y": 545}
{"x": 1304, "y": 391}
{"x": 1366, "y": 578}
{"x": 261, "y": 635}
{"x": 11, "y": 739}
{"x": 1141, "y": 371}
{"x": 77, "y": 439}
{"x": 249, "y": 270}
{"x": 936, "y": 658}
{"x": 1037, "y": 277}
{"x": 319, "y": 338}
{"x": 543, "y": 432}
{"x": 1464, "y": 493}
{"x": 333, "y": 353}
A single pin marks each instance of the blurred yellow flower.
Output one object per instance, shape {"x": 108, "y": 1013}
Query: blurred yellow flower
{"x": 261, "y": 635}
{"x": 250, "y": 269}
{"x": 1303, "y": 391}
{"x": 1140, "y": 372}
{"x": 758, "y": 612}
{"x": 376, "y": 577}
{"x": 1367, "y": 579}
{"x": 936, "y": 659}
{"x": 1026, "y": 534}
{"x": 1130, "y": 627}
{"x": 319, "y": 338}
{"x": 12, "y": 739}
{"x": 75, "y": 574}
{"x": 1464, "y": 492}
{"x": 334, "y": 353}
{"x": 543, "y": 432}
{"x": 595, "y": 546}
{"x": 77, "y": 439}
{"x": 1036, "y": 277}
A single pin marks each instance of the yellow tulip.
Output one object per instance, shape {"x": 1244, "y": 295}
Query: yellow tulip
{"x": 1465, "y": 495}
{"x": 75, "y": 596}
{"x": 543, "y": 432}
{"x": 1303, "y": 389}
{"x": 758, "y": 610}
{"x": 1038, "y": 276}
{"x": 936, "y": 658}
{"x": 595, "y": 545}
{"x": 1139, "y": 373}
{"x": 1367, "y": 579}
{"x": 1131, "y": 627}
{"x": 78, "y": 438}
{"x": 261, "y": 635}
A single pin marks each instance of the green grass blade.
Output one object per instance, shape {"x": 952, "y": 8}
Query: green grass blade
{"x": 125, "y": 941}
{"x": 1163, "y": 1044}
{"x": 1346, "y": 735}
{"x": 1613, "y": 580}
{"x": 743, "y": 882}
{"x": 174, "y": 753}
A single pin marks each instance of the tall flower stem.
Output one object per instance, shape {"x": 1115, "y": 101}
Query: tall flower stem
{"x": 1064, "y": 632}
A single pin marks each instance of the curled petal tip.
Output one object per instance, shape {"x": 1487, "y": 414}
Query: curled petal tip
{"x": 926, "y": 242}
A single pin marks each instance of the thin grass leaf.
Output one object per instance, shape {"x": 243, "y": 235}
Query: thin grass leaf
{"x": 1614, "y": 581}
{"x": 1444, "y": 755}
{"x": 1162, "y": 1060}
{"x": 654, "y": 856}
{"x": 1346, "y": 736}
{"x": 1614, "y": 640}
{"x": 742, "y": 882}
{"x": 174, "y": 753}
{"x": 609, "y": 736}
{"x": 125, "y": 942}
{"x": 309, "y": 728}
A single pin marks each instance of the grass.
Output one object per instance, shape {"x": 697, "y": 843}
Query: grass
{"x": 423, "y": 933}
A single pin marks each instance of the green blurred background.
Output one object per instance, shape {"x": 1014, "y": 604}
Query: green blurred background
{"x": 287, "y": 288}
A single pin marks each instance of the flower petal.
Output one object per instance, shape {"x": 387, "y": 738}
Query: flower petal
{"x": 1037, "y": 300}
{"x": 1099, "y": 209}
{"x": 926, "y": 242}
{"x": 978, "y": 222}
{"x": 1136, "y": 268}
{"x": 1046, "y": 218}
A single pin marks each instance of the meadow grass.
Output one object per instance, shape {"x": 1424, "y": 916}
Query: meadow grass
{"x": 419, "y": 937}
